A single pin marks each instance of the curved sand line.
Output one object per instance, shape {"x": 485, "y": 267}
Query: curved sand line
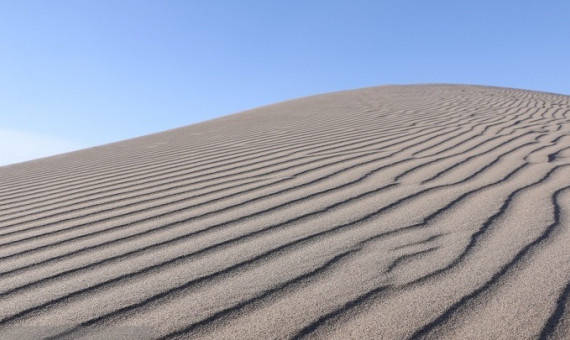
{"x": 393, "y": 212}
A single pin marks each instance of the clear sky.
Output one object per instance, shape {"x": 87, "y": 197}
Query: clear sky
{"x": 78, "y": 73}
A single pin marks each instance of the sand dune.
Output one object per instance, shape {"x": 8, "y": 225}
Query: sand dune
{"x": 426, "y": 211}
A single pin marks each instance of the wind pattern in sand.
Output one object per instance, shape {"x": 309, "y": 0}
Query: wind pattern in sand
{"x": 427, "y": 211}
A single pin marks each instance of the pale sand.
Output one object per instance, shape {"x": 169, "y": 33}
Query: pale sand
{"x": 426, "y": 211}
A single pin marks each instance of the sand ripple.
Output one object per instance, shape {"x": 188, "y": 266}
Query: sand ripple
{"x": 426, "y": 211}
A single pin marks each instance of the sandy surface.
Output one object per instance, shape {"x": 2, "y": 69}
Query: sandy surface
{"x": 427, "y": 211}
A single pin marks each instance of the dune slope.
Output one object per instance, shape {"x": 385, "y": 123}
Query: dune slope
{"x": 421, "y": 211}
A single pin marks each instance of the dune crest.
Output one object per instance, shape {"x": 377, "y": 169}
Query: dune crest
{"x": 393, "y": 212}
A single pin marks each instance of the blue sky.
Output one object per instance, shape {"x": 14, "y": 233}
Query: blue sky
{"x": 80, "y": 73}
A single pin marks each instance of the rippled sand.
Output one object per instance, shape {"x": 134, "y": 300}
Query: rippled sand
{"x": 425, "y": 211}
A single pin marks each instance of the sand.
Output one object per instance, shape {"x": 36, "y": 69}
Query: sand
{"x": 392, "y": 212}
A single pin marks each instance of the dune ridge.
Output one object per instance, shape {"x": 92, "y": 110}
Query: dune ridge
{"x": 412, "y": 211}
